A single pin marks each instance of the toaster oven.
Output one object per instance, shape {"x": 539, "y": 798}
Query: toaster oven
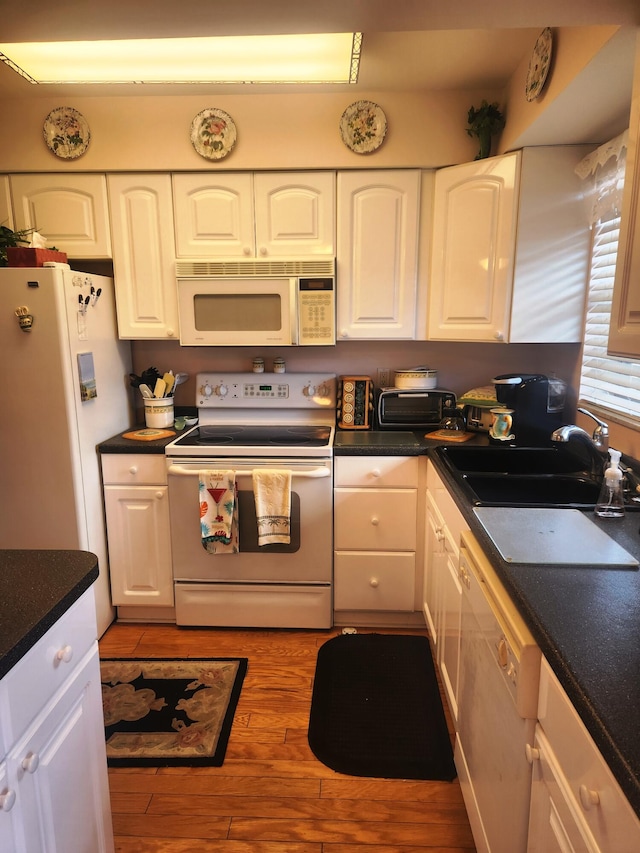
{"x": 413, "y": 408}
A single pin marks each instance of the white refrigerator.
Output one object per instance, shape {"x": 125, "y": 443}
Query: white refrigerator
{"x": 64, "y": 389}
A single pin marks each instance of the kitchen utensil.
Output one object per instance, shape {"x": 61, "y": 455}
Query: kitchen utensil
{"x": 179, "y": 379}
{"x": 168, "y": 380}
{"x": 159, "y": 389}
{"x": 416, "y": 377}
{"x": 134, "y": 380}
{"x": 150, "y": 375}
{"x": 146, "y": 392}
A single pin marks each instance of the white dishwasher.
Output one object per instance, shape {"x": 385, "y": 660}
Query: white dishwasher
{"x": 498, "y": 695}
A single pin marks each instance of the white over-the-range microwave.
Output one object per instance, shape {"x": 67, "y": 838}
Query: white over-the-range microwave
{"x": 257, "y": 302}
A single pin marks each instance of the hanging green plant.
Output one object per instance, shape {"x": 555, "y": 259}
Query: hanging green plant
{"x": 484, "y": 122}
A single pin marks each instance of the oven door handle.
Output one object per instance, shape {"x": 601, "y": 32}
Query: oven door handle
{"x": 314, "y": 474}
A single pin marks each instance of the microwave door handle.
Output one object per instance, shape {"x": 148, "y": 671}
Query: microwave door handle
{"x": 294, "y": 311}
{"x": 314, "y": 474}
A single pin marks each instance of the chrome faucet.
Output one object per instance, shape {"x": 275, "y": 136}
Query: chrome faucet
{"x": 597, "y": 443}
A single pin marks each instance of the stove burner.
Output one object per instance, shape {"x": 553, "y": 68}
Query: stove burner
{"x": 257, "y": 436}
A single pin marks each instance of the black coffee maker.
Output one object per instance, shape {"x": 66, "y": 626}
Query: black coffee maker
{"x": 538, "y": 406}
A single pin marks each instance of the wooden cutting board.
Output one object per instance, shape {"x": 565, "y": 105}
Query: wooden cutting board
{"x": 547, "y": 537}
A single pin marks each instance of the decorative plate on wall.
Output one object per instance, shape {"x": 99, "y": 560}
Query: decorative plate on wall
{"x": 66, "y": 133}
{"x": 213, "y": 133}
{"x": 539, "y": 64}
{"x": 363, "y": 127}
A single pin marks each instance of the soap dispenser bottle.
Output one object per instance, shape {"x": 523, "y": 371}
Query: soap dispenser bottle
{"x": 611, "y": 499}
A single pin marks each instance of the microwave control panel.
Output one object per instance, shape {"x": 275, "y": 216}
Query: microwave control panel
{"x": 316, "y": 311}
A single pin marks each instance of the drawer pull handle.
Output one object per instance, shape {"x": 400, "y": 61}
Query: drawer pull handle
{"x": 375, "y": 521}
{"x": 159, "y": 495}
{"x": 374, "y": 582}
{"x": 532, "y": 753}
{"x": 376, "y": 472}
{"x": 133, "y": 469}
{"x": 64, "y": 654}
{"x": 588, "y": 798}
{"x": 30, "y": 762}
{"x": 7, "y": 799}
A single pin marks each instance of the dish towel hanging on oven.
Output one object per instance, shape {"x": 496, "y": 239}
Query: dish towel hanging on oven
{"x": 218, "y": 495}
{"x": 272, "y": 493}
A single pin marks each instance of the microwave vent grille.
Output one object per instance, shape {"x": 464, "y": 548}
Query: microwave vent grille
{"x": 255, "y": 267}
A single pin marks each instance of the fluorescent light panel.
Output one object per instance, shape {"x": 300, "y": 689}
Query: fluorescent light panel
{"x": 313, "y": 58}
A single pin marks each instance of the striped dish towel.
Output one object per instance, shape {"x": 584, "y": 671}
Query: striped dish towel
{"x": 272, "y": 493}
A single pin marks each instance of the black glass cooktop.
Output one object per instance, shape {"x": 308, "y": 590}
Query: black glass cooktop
{"x": 246, "y": 435}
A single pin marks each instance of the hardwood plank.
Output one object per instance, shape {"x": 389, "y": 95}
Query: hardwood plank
{"x": 202, "y": 845}
{"x": 170, "y": 826}
{"x": 192, "y": 785}
{"x": 360, "y": 832}
{"x": 390, "y": 789}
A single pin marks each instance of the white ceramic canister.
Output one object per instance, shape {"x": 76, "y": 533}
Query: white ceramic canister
{"x": 416, "y": 378}
{"x": 158, "y": 412}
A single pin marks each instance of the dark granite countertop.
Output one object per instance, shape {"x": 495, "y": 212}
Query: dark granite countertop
{"x": 36, "y": 589}
{"x": 120, "y": 444}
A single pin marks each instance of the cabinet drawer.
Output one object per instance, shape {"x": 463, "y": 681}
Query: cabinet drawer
{"x": 365, "y": 581}
{"x": 134, "y": 468}
{"x": 376, "y": 471}
{"x": 377, "y": 520}
{"x": 42, "y": 671}
{"x": 612, "y": 821}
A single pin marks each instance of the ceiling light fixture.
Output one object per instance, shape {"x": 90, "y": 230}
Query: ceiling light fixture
{"x": 312, "y": 58}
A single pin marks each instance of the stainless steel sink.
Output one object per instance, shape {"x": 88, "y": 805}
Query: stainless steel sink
{"x": 522, "y": 476}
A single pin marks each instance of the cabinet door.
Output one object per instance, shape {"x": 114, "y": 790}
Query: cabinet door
{"x": 375, "y": 519}
{"x": 9, "y": 813}
{"x": 624, "y": 332}
{"x": 139, "y": 545}
{"x": 377, "y": 243}
{"x": 214, "y": 215}
{"x": 435, "y": 566}
{"x": 474, "y": 231}
{"x": 6, "y": 213}
{"x": 365, "y": 580}
{"x": 295, "y": 214}
{"x": 143, "y": 256}
{"x": 450, "y": 619}
{"x": 59, "y": 772}
{"x": 71, "y": 211}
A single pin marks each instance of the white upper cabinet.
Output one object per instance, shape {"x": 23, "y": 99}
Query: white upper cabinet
{"x": 143, "y": 256}
{"x": 6, "y": 214}
{"x": 264, "y": 215}
{"x": 377, "y": 255}
{"x": 624, "y": 333}
{"x": 70, "y": 210}
{"x": 510, "y": 249}
{"x": 214, "y": 215}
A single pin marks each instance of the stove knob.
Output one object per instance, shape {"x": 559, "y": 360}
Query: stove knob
{"x": 222, "y": 390}
{"x": 309, "y": 390}
{"x": 206, "y": 390}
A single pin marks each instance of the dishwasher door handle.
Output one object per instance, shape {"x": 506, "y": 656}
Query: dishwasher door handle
{"x": 313, "y": 474}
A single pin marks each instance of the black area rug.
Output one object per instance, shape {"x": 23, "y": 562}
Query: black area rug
{"x": 376, "y": 709}
{"x": 164, "y": 712}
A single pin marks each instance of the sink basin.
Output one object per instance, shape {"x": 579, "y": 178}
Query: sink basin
{"x": 512, "y": 460}
{"x": 547, "y": 490}
{"x": 522, "y": 476}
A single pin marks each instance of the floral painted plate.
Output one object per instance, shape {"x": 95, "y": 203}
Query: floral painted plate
{"x": 363, "y": 127}
{"x": 213, "y": 134}
{"x": 66, "y": 133}
{"x": 539, "y": 64}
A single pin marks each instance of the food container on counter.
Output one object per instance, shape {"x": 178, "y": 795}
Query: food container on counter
{"x": 416, "y": 378}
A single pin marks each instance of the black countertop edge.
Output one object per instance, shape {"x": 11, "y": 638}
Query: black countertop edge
{"x": 581, "y": 660}
{"x": 36, "y": 589}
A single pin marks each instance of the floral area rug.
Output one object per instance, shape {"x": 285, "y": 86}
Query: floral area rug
{"x": 169, "y": 712}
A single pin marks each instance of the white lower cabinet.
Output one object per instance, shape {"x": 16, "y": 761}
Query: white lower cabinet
{"x": 54, "y": 795}
{"x": 442, "y": 592}
{"x": 375, "y": 533}
{"x": 137, "y": 512}
{"x": 576, "y": 804}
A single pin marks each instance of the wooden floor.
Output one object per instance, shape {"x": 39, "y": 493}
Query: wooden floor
{"x": 271, "y": 795}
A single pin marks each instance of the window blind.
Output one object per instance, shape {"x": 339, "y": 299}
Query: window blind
{"x": 608, "y": 381}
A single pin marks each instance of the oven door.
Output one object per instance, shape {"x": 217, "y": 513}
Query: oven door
{"x": 307, "y": 560}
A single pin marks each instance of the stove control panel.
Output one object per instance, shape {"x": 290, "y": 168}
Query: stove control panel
{"x": 268, "y": 390}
